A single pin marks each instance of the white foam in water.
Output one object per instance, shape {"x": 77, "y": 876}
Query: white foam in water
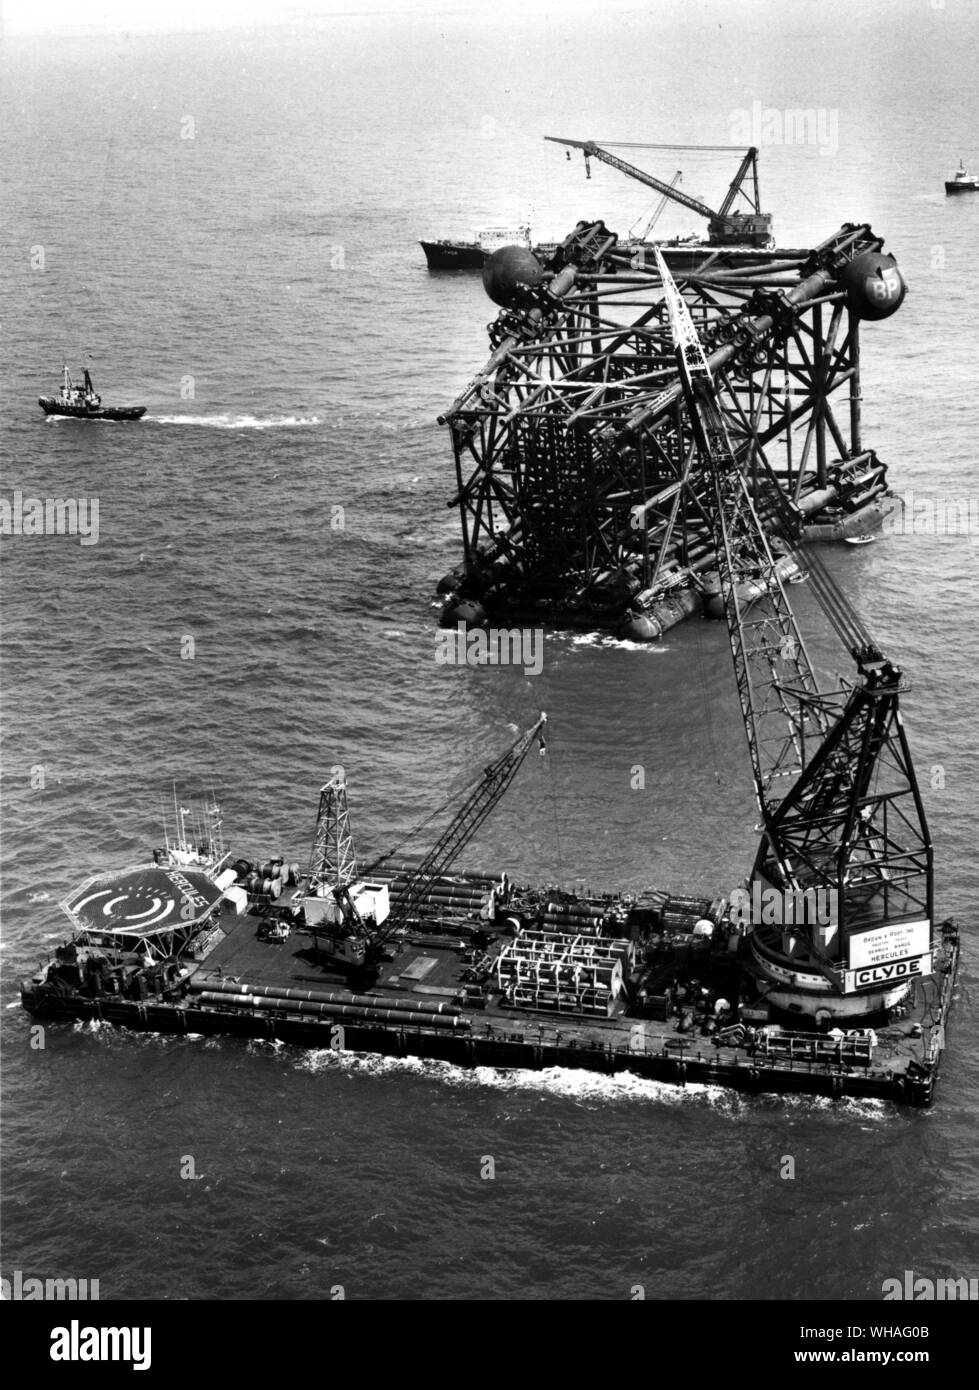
{"x": 572, "y": 1084}
{"x": 625, "y": 644}
{"x": 567, "y": 1083}
{"x": 239, "y": 422}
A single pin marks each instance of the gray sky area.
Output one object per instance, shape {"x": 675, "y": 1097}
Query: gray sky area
{"x": 94, "y": 16}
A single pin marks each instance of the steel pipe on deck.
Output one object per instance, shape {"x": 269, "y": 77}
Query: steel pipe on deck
{"x": 400, "y": 1017}
{"x": 321, "y": 996}
{"x": 457, "y": 895}
{"x": 402, "y": 868}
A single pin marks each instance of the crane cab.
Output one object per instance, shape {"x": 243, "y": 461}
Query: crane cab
{"x": 371, "y": 900}
{"x": 741, "y": 229}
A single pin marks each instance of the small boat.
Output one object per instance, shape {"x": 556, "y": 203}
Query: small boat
{"x": 962, "y": 182}
{"x": 84, "y": 403}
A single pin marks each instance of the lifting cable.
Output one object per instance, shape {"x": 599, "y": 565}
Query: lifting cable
{"x": 415, "y": 830}
{"x": 637, "y": 145}
{"x": 467, "y": 792}
{"x": 554, "y": 812}
{"x": 850, "y": 628}
{"x": 705, "y": 691}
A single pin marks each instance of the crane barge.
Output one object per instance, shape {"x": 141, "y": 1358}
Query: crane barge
{"x": 414, "y": 957}
{"x": 725, "y": 226}
{"x": 843, "y": 820}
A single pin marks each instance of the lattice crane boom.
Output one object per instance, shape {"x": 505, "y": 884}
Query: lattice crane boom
{"x": 593, "y": 151}
{"x": 463, "y": 826}
{"x": 659, "y": 209}
{"x": 353, "y": 937}
{"x": 780, "y": 698}
{"x": 724, "y": 224}
{"x": 840, "y": 802}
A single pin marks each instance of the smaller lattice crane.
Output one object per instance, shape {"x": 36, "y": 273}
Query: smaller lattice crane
{"x": 342, "y": 910}
{"x": 350, "y": 916}
{"x": 725, "y": 226}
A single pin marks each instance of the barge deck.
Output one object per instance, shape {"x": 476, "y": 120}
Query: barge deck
{"x": 686, "y": 1011}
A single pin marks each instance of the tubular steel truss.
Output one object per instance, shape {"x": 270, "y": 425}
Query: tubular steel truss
{"x": 464, "y": 824}
{"x": 573, "y": 446}
{"x": 333, "y": 860}
{"x": 851, "y": 818}
{"x": 854, "y": 821}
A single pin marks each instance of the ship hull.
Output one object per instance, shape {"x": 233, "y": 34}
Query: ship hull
{"x": 421, "y": 1004}
{"x": 52, "y": 406}
{"x": 952, "y": 188}
{"x": 466, "y": 255}
{"x": 518, "y": 1049}
{"x": 453, "y": 255}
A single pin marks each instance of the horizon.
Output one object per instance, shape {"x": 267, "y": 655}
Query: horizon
{"x": 107, "y": 18}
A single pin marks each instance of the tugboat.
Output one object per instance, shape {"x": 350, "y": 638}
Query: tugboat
{"x": 84, "y": 403}
{"x": 962, "y": 182}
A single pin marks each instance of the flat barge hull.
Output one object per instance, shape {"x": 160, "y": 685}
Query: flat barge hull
{"x": 224, "y": 994}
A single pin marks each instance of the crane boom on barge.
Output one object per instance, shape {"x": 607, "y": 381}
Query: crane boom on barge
{"x": 841, "y": 810}
{"x": 725, "y": 226}
{"x": 356, "y": 918}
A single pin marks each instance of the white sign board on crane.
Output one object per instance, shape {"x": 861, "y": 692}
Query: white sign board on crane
{"x": 896, "y": 941}
{"x": 889, "y": 955}
{"x": 896, "y": 972}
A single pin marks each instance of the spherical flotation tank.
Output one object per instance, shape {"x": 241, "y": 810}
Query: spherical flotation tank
{"x": 463, "y": 611}
{"x": 639, "y": 627}
{"x": 511, "y": 275}
{"x": 449, "y": 583}
{"x": 874, "y": 285}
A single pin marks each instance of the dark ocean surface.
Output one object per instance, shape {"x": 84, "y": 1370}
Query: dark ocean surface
{"x": 271, "y": 262}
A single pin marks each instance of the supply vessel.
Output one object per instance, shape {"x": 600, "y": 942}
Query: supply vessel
{"x": 825, "y": 972}
{"x": 728, "y": 226}
{"x": 445, "y": 254}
